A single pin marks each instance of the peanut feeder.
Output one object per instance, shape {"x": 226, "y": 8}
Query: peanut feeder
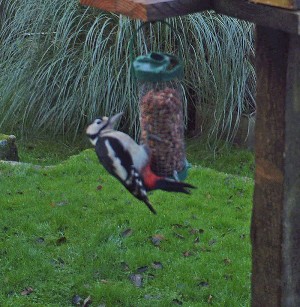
{"x": 161, "y": 112}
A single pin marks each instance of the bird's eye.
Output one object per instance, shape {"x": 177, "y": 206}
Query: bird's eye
{"x": 98, "y": 122}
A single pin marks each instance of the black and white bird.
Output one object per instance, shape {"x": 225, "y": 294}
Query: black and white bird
{"x": 128, "y": 161}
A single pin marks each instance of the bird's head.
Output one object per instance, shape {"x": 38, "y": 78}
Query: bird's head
{"x": 101, "y": 124}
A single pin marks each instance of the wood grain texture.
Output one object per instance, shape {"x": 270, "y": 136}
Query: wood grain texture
{"x": 275, "y": 228}
{"x": 150, "y": 10}
{"x": 268, "y": 16}
{"x": 291, "y": 212}
{"x": 266, "y": 228}
{"x": 129, "y": 8}
{"x": 289, "y": 4}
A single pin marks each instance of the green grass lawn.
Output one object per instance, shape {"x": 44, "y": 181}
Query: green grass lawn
{"x": 70, "y": 231}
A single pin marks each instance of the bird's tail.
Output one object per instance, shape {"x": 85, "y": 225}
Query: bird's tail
{"x": 147, "y": 202}
{"x": 171, "y": 185}
{"x": 136, "y": 186}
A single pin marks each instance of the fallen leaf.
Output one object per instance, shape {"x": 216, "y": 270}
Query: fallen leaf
{"x": 197, "y": 240}
{"x": 178, "y": 225}
{"x": 61, "y": 240}
{"x": 76, "y": 300}
{"x": 193, "y": 231}
{"x": 210, "y": 298}
{"x": 40, "y": 240}
{"x": 99, "y": 187}
{"x": 136, "y": 279}
{"x": 59, "y": 204}
{"x": 228, "y": 277}
{"x": 227, "y": 261}
{"x": 157, "y": 265}
{"x": 203, "y": 284}
{"x": 205, "y": 249}
{"x": 126, "y": 233}
{"x": 124, "y": 266}
{"x": 151, "y": 297}
{"x": 181, "y": 286}
{"x": 156, "y": 239}
{"x": 142, "y": 269}
{"x": 104, "y": 281}
{"x": 57, "y": 262}
{"x": 27, "y": 291}
{"x": 62, "y": 203}
{"x": 230, "y": 200}
{"x": 240, "y": 192}
{"x": 177, "y": 302}
{"x": 150, "y": 276}
{"x": 212, "y": 242}
{"x": 187, "y": 254}
{"x": 178, "y": 235}
{"x": 87, "y": 302}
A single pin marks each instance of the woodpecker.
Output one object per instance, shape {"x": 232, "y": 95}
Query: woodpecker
{"x": 128, "y": 161}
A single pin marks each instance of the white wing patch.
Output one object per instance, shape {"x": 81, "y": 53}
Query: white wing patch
{"x": 120, "y": 170}
{"x": 138, "y": 153}
{"x": 94, "y": 141}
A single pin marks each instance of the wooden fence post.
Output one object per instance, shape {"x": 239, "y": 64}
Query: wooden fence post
{"x": 275, "y": 229}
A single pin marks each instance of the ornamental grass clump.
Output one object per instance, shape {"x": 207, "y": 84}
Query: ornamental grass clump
{"x": 63, "y": 64}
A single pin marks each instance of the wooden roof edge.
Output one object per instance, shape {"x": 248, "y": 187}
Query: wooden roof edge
{"x": 153, "y": 10}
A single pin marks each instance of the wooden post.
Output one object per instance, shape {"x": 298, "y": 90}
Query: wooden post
{"x": 291, "y": 212}
{"x": 275, "y": 229}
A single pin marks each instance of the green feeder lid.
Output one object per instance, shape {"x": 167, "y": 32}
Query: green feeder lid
{"x": 157, "y": 67}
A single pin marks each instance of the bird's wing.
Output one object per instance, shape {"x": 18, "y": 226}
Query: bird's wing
{"x": 114, "y": 157}
{"x": 122, "y": 167}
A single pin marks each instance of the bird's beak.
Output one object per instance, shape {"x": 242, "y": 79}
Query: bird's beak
{"x": 114, "y": 118}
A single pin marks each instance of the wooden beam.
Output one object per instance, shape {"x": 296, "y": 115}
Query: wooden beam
{"x": 275, "y": 229}
{"x": 268, "y": 16}
{"x": 289, "y": 4}
{"x": 150, "y": 10}
{"x": 291, "y": 212}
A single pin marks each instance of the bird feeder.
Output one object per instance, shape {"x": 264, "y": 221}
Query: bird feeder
{"x": 161, "y": 112}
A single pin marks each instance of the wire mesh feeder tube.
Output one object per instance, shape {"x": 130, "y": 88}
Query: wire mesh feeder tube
{"x": 161, "y": 112}
{"x": 162, "y": 127}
